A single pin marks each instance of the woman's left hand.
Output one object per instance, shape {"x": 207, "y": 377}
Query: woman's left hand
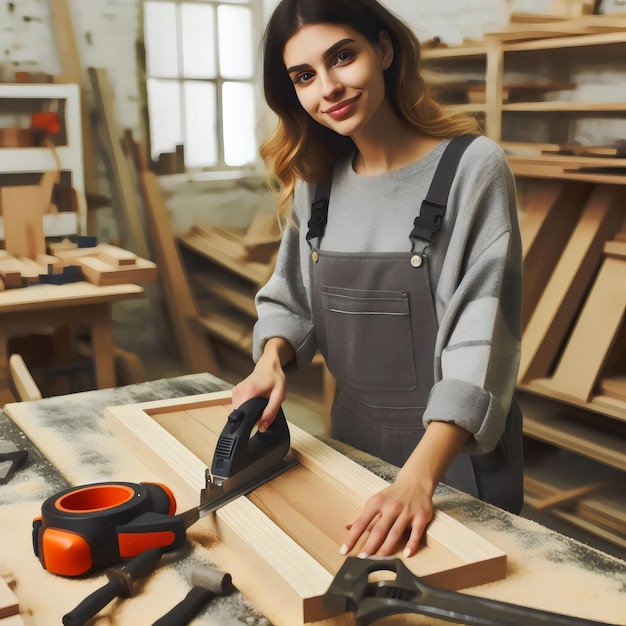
{"x": 397, "y": 513}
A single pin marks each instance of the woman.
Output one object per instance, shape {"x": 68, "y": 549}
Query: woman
{"x": 418, "y": 322}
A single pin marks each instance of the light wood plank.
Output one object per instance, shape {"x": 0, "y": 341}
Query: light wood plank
{"x": 111, "y": 136}
{"x": 72, "y": 72}
{"x": 556, "y": 309}
{"x": 23, "y": 382}
{"x": 590, "y": 343}
{"x": 99, "y": 272}
{"x": 549, "y": 210}
{"x": 9, "y": 604}
{"x": 276, "y": 528}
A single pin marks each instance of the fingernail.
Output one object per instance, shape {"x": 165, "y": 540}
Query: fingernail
{"x": 363, "y": 555}
{"x": 343, "y": 549}
{"x": 407, "y": 552}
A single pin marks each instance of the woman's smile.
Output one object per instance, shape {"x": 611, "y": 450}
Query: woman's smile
{"x": 343, "y": 109}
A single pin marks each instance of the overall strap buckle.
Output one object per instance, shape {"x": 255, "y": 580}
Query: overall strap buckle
{"x": 428, "y": 222}
{"x": 318, "y": 219}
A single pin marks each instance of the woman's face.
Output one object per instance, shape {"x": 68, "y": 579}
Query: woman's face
{"x": 338, "y": 75}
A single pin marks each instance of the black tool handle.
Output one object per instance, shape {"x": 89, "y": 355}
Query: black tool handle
{"x": 237, "y": 450}
{"x": 122, "y": 582}
{"x": 187, "y": 608}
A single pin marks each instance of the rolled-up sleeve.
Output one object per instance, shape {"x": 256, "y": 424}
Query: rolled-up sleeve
{"x": 480, "y": 302}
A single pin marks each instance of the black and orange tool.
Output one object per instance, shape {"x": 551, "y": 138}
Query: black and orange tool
{"x": 85, "y": 529}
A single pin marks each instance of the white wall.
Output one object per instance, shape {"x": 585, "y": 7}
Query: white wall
{"x": 107, "y": 30}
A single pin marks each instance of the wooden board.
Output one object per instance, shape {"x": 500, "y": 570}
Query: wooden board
{"x": 549, "y": 210}
{"x": 222, "y": 247}
{"x": 128, "y": 210}
{"x": 99, "y": 272}
{"x": 608, "y": 510}
{"x": 560, "y": 301}
{"x": 196, "y": 351}
{"x": 9, "y": 604}
{"x": 72, "y": 72}
{"x": 23, "y": 208}
{"x": 593, "y": 336}
{"x": 279, "y": 530}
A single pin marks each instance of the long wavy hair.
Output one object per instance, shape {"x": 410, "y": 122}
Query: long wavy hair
{"x": 300, "y": 147}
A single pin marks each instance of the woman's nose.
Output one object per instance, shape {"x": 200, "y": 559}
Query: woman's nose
{"x": 331, "y": 86}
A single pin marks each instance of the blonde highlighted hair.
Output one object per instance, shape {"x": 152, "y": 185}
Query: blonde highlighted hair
{"x": 300, "y": 147}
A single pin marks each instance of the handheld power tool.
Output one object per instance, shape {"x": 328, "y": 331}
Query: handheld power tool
{"x": 88, "y": 528}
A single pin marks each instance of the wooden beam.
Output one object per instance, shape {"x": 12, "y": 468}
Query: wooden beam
{"x": 287, "y": 541}
{"x": 125, "y": 194}
{"x": 196, "y": 351}
{"x": 593, "y": 336}
{"x": 548, "y": 212}
{"x": 567, "y": 287}
{"x": 72, "y": 72}
{"x": 9, "y": 605}
{"x": 24, "y": 384}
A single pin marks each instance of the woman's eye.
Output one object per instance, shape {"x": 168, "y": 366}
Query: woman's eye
{"x": 344, "y": 56}
{"x": 304, "y": 77}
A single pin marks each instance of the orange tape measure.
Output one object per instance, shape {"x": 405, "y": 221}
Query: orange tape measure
{"x": 88, "y": 528}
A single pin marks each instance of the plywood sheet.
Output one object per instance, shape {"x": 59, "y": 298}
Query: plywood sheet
{"x": 290, "y": 529}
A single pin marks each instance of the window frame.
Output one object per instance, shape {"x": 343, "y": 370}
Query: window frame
{"x": 221, "y": 170}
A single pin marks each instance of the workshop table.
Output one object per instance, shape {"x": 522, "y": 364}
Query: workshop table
{"x": 69, "y": 445}
{"x": 25, "y": 311}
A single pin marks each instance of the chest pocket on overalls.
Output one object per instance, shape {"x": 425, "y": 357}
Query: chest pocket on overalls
{"x": 368, "y": 334}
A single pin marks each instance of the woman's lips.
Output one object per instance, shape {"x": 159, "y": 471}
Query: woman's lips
{"x": 342, "y": 109}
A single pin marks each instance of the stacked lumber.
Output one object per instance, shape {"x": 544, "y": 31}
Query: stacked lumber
{"x": 572, "y": 376}
{"x": 105, "y": 264}
{"x": 102, "y": 264}
{"x": 597, "y": 329}
{"x": 581, "y": 491}
{"x": 226, "y": 268}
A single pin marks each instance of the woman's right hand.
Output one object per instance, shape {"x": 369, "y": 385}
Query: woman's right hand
{"x": 267, "y": 380}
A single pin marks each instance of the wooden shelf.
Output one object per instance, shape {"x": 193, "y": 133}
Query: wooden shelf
{"x": 227, "y": 289}
{"x": 575, "y": 41}
{"x": 569, "y": 218}
{"x": 456, "y": 52}
{"x": 255, "y": 273}
{"x": 15, "y": 99}
{"x": 571, "y": 430}
{"x": 565, "y": 107}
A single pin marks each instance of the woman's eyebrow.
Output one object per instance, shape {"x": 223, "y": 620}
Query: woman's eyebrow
{"x": 329, "y": 53}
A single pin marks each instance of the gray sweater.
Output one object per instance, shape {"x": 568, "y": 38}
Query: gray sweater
{"x": 475, "y": 270}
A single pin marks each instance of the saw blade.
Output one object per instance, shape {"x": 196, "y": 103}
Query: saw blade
{"x": 231, "y": 490}
{"x": 239, "y": 485}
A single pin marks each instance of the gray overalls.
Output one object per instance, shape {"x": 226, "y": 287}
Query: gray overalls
{"x": 376, "y": 326}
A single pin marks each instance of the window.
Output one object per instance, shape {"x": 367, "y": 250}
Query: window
{"x": 200, "y": 70}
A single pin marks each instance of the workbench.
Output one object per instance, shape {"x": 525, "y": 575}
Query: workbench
{"x": 30, "y": 309}
{"x": 69, "y": 444}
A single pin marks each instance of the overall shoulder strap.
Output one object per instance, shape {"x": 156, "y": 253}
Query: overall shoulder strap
{"x": 319, "y": 211}
{"x": 433, "y": 207}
